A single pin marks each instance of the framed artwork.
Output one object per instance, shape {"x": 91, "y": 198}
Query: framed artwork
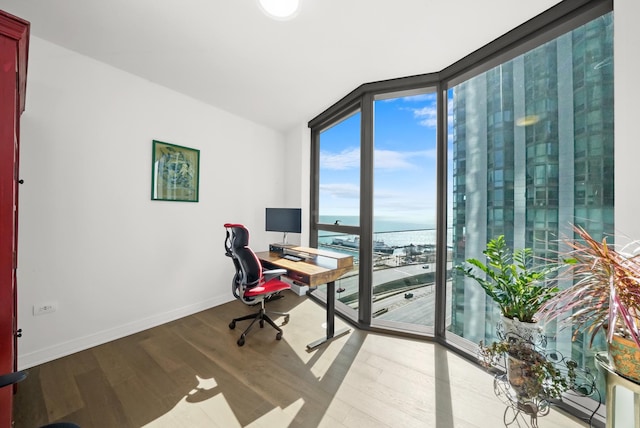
{"x": 175, "y": 172}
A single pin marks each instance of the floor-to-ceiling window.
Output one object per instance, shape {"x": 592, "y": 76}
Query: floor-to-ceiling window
{"x": 391, "y": 172}
{"x": 404, "y": 209}
{"x": 532, "y": 154}
{"x": 338, "y": 166}
{"x": 524, "y": 148}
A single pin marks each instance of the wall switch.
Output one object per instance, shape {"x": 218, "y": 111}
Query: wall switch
{"x": 45, "y": 308}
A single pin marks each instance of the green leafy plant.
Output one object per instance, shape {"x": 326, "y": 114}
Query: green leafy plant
{"x": 605, "y": 294}
{"x": 529, "y": 372}
{"x": 510, "y": 279}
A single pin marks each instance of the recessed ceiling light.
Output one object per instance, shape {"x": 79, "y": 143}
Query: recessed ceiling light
{"x": 280, "y": 9}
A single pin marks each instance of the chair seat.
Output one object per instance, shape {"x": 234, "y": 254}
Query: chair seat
{"x": 268, "y": 287}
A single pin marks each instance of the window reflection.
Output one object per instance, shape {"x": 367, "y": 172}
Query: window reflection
{"x": 532, "y": 178}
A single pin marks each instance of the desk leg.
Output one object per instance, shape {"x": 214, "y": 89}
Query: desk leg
{"x": 331, "y": 309}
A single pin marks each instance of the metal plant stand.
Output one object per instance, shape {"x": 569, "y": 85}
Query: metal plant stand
{"x": 518, "y": 412}
{"x": 523, "y": 410}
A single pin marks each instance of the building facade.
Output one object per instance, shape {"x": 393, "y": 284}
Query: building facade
{"x": 532, "y": 154}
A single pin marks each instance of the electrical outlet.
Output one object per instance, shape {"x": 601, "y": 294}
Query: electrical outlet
{"x": 45, "y": 308}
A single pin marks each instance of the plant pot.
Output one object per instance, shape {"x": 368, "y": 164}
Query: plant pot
{"x": 624, "y": 356}
{"x": 527, "y": 331}
{"x": 521, "y": 375}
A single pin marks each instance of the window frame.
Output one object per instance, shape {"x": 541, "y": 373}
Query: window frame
{"x": 558, "y": 20}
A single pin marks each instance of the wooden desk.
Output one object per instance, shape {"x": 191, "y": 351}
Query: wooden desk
{"x": 318, "y": 267}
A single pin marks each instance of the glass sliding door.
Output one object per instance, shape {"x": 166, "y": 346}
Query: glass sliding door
{"x": 404, "y": 210}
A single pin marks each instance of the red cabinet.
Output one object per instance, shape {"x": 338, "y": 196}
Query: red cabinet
{"x": 14, "y": 46}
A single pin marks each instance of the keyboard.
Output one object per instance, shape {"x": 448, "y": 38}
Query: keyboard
{"x": 292, "y": 258}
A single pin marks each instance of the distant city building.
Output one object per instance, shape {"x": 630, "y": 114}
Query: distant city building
{"x": 532, "y": 155}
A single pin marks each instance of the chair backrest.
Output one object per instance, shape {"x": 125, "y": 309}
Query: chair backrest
{"x": 248, "y": 266}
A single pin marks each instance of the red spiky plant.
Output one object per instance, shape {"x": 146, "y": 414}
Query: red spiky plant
{"x": 605, "y": 293}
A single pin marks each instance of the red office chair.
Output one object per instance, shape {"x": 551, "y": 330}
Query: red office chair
{"x": 251, "y": 284}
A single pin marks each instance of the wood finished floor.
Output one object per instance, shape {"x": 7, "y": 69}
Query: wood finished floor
{"x": 190, "y": 373}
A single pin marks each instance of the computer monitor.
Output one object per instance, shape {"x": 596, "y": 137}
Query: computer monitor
{"x": 285, "y": 220}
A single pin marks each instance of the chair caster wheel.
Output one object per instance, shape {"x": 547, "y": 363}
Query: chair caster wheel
{"x": 279, "y": 335}
{"x": 286, "y": 319}
{"x": 232, "y": 325}
{"x": 241, "y": 341}
{"x": 261, "y": 324}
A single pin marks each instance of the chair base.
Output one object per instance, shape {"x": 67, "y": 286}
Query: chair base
{"x": 260, "y": 317}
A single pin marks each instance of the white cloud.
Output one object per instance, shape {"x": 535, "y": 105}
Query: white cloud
{"x": 341, "y": 190}
{"x": 389, "y": 159}
{"x": 403, "y": 204}
{"x": 431, "y": 96}
{"x": 347, "y": 159}
{"x": 384, "y": 159}
{"x": 427, "y": 116}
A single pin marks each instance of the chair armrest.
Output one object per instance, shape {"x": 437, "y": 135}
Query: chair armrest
{"x": 11, "y": 378}
{"x": 273, "y": 273}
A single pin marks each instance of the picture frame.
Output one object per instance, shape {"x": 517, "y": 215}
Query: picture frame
{"x": 175, "y": 173}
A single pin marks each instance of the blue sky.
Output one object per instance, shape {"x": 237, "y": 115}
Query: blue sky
{"x": 404, "y": 159}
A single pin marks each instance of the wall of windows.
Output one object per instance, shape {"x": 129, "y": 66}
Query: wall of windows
{"x": 532, "y": 155}
{"x": 520, "y": 144}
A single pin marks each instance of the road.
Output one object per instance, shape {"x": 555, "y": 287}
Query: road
{"x": 418, "y": 309}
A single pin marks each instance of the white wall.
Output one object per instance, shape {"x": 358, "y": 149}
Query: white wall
{"x": 627, "y": 112}
{"x": 90, "y": 238}
{"x": 297, "y": 175}
{"x": 627, "y": 145}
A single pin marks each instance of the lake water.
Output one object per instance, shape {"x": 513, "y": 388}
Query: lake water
{"x": 393, "y": 233}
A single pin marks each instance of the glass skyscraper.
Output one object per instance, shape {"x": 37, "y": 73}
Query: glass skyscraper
{"x": 532, "y": 146}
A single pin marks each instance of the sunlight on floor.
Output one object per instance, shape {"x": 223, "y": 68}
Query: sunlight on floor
{"x": 278, "y": 417}
{"x": 318, "y": 361}
{"x": 206, "y": 405}
{"x": 356, "y": 380}
{"x": 215, "y": 411}
{"x": 204, "y": 413}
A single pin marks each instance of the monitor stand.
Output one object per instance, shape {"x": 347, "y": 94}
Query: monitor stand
{"x": 279, "y": 248}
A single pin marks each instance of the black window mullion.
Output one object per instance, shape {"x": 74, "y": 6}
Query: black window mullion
{"x": 366, "y": 211}
{"x": 441, "y": 216}
{"x": 314, "y": 191}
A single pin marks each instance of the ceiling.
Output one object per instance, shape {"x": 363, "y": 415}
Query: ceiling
{"x": 229, "y": 54}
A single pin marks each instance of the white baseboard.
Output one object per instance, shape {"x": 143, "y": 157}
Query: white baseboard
{"x": 44, "y": 355}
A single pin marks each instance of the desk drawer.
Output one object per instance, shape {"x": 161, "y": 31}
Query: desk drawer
{"x": 298, "y": 277}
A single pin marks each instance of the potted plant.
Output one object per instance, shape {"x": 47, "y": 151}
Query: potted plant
{"x": 528, "y": 371}
{"x": 605, "y": 296}
{"x": 509, "y": 278}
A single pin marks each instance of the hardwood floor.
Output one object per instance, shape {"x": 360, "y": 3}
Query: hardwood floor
{"x": 190, "y": 373}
